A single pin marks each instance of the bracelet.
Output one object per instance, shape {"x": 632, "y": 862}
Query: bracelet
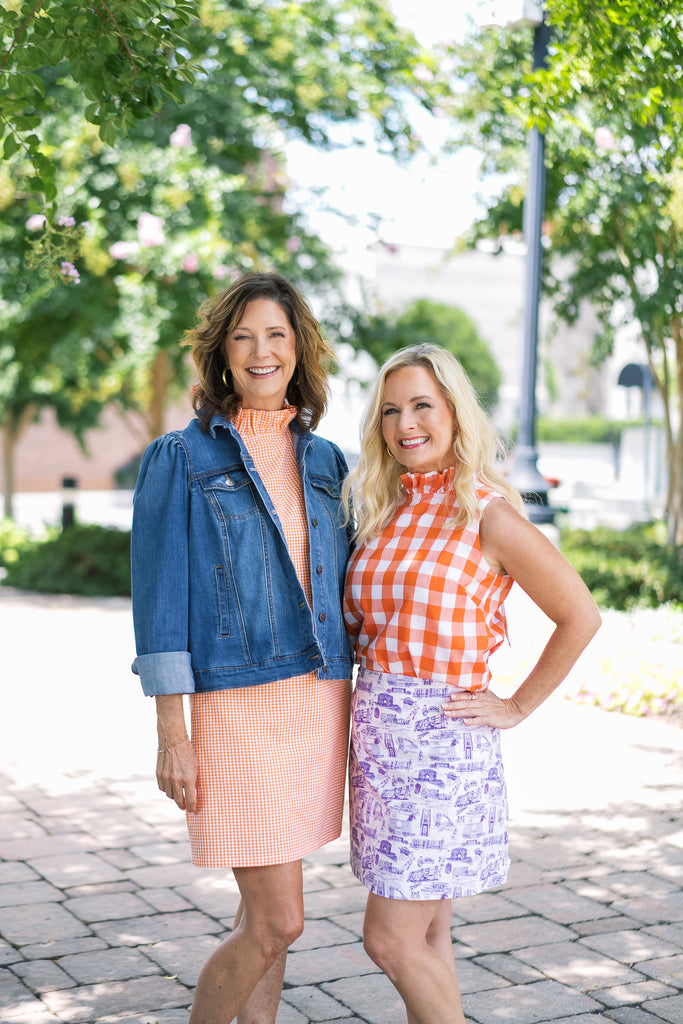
{"x": 170, "y": 746}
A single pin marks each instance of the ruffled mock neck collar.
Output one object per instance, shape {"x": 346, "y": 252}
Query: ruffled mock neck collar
{"x": 259, "y": 421}
{"x": 422, "y": 484}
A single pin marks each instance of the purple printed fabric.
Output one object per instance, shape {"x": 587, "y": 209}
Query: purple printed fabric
{"x": 428, "y": 801}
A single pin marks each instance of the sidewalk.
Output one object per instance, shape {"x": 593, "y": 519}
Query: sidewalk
{"x": 103, "y": 919}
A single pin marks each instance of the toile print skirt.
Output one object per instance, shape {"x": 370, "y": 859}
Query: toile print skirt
{"x": 428, "y": 803}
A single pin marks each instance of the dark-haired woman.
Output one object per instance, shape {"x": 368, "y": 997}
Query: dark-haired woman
{"x": 238, "y": 562}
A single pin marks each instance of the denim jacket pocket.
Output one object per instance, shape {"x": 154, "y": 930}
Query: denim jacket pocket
{"x": 230, "y": 493}
{"x": 222, "y": 601}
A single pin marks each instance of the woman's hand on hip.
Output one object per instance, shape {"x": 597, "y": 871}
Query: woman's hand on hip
{"x": 177, "y": 773}
{"x": 482, "y": 708}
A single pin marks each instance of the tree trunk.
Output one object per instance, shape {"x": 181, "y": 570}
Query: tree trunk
{"x": 8, "y": 444}
{"x": 675, "y": 501}
{"x": 675, "y": 517}
{"x": 12, "y": 428}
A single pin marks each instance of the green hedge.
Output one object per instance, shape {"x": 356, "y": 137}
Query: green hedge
{"x": 626, "y": 569}
{"x": 585, "y": 430}
{"x": 13, "y": 540}
{"x": 93, "y": 561}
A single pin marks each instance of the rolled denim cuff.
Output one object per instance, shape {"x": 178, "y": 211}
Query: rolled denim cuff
{"x": 166, "y": 672}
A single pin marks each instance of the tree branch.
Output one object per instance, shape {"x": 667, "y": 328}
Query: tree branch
{"x": 120, "y": 34}
{"x": 20, "y": 31}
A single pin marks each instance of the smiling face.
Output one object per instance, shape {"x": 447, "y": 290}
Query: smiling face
{"x": 417, "y": 423}
{"x": 261, "y": 354}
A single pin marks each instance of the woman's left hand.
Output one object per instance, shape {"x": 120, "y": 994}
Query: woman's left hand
{"x": 482, "y": 708}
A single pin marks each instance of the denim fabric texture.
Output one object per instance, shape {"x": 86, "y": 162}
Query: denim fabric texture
{"x": 216, "y": 599}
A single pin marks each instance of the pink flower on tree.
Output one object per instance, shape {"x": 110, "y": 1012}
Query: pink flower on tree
{"x": 36, "y": 222}
{"x": 121, "y": 250}
{"x": 150, "y": 230}
{"x": 422, "y": 73}
{"x": 191, "y": 263}
{"x": 181, "y": 138}
{"x": 66, "y": 222}
{"x": 69, "y": 270}
{"x": 604, "y": 139}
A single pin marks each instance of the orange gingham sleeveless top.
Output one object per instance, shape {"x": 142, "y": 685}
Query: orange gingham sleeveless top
{"x": 272, "y": 757}
{"x": 420, "y": 598}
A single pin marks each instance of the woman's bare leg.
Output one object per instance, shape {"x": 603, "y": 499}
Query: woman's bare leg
{"x": 262, "y": 1004}
{"x": 271, "y": 917}
{"x": 439, "y": 938}
{"x": 407, "y": 939}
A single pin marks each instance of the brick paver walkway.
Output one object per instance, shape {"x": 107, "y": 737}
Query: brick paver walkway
{"x": 102, "y": 918}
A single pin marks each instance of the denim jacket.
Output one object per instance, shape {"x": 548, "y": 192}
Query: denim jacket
{"x": 216, "y": 600}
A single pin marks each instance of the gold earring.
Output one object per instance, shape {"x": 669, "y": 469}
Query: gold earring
{"x": 224, "y": 374}
{"x": 388, "y": 451}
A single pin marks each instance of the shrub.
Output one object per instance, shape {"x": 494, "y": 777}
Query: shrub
{"x": 93, "y": 561}
{"x": 583, "y": 430}
{"x": 626, "y": 569}
{"x": 587, "y": 430}
{"x": 13, "y": 540}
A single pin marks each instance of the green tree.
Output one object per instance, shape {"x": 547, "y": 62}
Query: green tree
{"x": 610, "y": 104}
{"x": 382, "y": 334}
{"x": 158, "y": 228}
{"x": 143, "y": 216}
{"x": 245, "y": 69}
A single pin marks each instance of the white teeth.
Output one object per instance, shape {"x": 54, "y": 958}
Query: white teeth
{"x": 413, "y": 442}
{"x": 262, "y": 371}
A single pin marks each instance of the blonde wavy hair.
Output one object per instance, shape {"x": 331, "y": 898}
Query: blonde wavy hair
{"x": 373, "y": 490}
{"x": 215, "y": 393}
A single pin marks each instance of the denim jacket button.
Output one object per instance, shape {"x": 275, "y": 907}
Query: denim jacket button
{"x": 318, "y": 569}
{"x": 314, "y": 521}
{"x": 322, "y": 617}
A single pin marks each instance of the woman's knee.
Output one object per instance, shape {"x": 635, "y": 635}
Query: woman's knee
{"x": 287, "y": 925}
{"x": 272, "y": 908}
{"x": 383, "y": 947}
{"x": 276, "y": 929}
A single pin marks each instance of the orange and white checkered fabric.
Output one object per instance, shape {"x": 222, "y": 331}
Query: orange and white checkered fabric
{"x": 420, "y": 598}
{"x": 272, "y": 757}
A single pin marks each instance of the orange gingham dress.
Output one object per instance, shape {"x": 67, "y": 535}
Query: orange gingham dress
{"x": 428, "y": 802}
{"x": 272, "y": 757}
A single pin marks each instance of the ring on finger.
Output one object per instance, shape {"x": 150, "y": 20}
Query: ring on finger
{"x": 473, "y": 696}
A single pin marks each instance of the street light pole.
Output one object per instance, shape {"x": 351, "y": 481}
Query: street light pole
{"x": 524, "y": 473}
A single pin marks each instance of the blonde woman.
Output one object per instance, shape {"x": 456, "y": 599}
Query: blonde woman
{"x": 441, "y": 536}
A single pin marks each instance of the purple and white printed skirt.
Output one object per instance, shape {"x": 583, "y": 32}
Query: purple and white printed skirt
{"x": 428, "y": 801}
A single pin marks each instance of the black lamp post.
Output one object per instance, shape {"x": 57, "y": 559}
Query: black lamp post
{"x": 524, "y": 474}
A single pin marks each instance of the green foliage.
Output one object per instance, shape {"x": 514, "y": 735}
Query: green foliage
{"x": 93, "y": 561}
{"x": 13, "y": 540}
{"x": 248, "y": 72}
{"x": 142, "y": 216}
{"x": 589, "y": 430}
{"x": 382, "y": 334}
{"x": 626, "y": 569}
{"x": 610, "y": 104}
{"x": 125, "y": 57}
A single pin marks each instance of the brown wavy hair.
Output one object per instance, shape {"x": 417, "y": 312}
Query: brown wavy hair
{"x": 308, "y": 389}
